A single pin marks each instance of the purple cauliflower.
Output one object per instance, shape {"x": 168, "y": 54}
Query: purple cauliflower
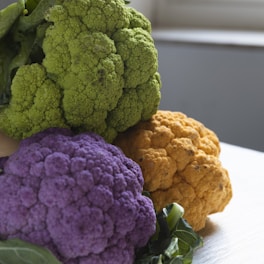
{"x": 76, "y": 195}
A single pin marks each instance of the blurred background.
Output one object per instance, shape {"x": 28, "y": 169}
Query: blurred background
{"x": 4, "y": 3}
{"x": 211, "y": 61}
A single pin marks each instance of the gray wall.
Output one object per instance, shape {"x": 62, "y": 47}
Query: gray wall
{"x": 223, "y": 87}
{"x": 4, "y": 3}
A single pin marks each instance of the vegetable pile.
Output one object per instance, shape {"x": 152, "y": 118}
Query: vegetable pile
{"x": 79, "y": 200}
{"x": 87, "y": 65}
{"x": 90, "y": 170}
{"x": 174, "y": 240}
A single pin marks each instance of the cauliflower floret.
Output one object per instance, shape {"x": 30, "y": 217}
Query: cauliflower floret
{"x": 179, "y": 158}
{"x": 76, "y": 195}
{"x": 96, "y": 56}
{"x": 35, "y": 104}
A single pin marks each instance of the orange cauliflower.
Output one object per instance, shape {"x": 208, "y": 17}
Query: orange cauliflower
{"x": 179, "y": 158}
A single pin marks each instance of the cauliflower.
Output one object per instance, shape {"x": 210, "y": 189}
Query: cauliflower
{"x": 87, "y": 65}
{"x": 77, "y": 195}
{"x": 179, "y": 158}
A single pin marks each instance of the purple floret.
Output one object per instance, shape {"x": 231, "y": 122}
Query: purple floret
{"x": 76, "y": 195}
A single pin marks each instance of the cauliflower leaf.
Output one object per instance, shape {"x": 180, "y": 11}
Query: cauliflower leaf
{"x": 19, "y": 251}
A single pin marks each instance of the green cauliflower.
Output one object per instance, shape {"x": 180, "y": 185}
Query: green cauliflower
{"x": 88, "y": 65}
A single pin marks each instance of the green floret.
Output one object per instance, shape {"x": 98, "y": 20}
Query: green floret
{"x": 138, "y": 52}
{"x": 138, "y": 20}
{"x": 38, "y": 98}
{"x": 147, "y": 94}
{"x": 96, "y": 56}
{"x": 94, "y": 71}
{"x": 136, "y": 104}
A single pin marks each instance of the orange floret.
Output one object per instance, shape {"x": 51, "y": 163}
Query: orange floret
{"x": 179, "y": 158}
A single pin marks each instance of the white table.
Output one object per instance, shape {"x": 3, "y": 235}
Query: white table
{"x": 236, "y": 235}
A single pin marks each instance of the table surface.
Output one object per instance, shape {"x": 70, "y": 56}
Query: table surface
{"x": 236, "y": 234}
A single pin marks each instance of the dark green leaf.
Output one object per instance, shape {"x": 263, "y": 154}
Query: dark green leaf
{"x": 8, "y": 19}
{"x": 174, "y": 241}
{"x": 21, "y": 42}
{"x": 9, "y": 15}
{"x": 7, "y": 53}
{"x": 17, "y": 251}
{"x": 185, "y": 232}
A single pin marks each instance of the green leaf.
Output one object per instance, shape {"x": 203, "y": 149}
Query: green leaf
{"x": 8, "y": 19}
{"x": 174, "y": 241}
{"x": 9, "y": 15}
{"x": 185, "y": 233}
{"x": 18, "y": 251}
{"x": 7, "y": 53}
{"x": 22, "y": 35}
{"x": 36, "y": 16}
{"x": 31, "y": 5}
{"x": 174, "y": 213}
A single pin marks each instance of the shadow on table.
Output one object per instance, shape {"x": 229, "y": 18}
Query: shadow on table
{"x": 209, "y": 229}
